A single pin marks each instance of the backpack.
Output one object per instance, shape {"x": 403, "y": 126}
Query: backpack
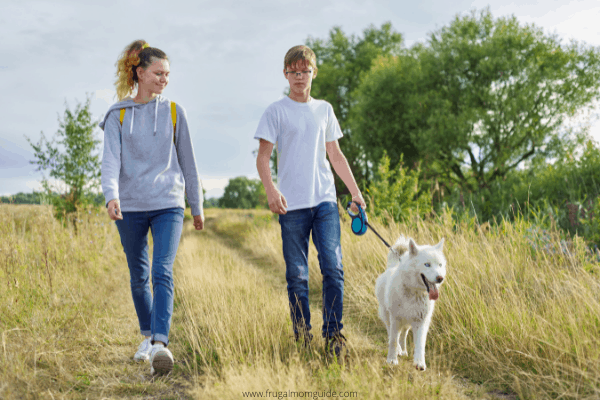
{"x": 173, "y": 117}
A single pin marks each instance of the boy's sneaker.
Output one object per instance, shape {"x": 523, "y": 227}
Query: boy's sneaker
{"x": 143, "y": 352}
{"x": 161, "y": 360}
{"x": 304, "y": 338}
{"x": 336, "y": 346}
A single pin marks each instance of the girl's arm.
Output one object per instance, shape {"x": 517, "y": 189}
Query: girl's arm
{"x": 111, "y": 165}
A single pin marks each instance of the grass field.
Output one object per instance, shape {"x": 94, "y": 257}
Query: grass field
{"x": 511, "y": 322}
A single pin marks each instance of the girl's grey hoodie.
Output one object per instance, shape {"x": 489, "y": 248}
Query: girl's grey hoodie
{"x": 141, "y": 166}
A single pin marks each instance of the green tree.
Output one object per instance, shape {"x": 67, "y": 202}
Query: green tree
{"x": 482, "y": 96}
{"x": 342, "y": 60}
{"x": 245, "y": 193}
{"x": 385, "y": 116}
{"x": 76, "y": 166}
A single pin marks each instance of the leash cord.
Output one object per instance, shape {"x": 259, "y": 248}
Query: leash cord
{"x": 378, "y": 235}
{"x": 375, "y": 232}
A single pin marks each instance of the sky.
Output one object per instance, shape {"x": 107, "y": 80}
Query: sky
{"x": 225, "y": 58}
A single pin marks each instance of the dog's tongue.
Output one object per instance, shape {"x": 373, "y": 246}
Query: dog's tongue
{"x": 433, "y": 293}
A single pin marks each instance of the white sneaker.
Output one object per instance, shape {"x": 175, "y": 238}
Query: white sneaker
{"x": 161, "y": 360}
{"x": 143, "y": 352}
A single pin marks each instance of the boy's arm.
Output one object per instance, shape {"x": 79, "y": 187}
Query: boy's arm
{"x": 277, "y": 202}
{"x": 341, "y": 167}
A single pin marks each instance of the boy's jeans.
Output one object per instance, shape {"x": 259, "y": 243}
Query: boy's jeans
{"x": 153, "y": 311}
{"x": 296, "y": 225}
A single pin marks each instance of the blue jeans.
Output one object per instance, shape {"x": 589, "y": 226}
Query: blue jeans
{"x": 154, "y": 310}
{"x": 296, "y": 226}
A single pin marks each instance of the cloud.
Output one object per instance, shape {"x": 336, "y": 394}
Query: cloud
{"x": 215, "y": 186}
{"x": 107, "y": 95}
{"x": 214, "y": 183}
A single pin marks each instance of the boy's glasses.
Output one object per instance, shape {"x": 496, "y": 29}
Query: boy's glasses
{"x": 299, "y": 74}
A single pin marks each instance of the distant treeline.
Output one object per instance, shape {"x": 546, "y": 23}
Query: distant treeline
{"x": 43, "y": 198}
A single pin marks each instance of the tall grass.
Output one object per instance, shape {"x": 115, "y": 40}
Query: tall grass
{"x": 234, "y": 317}
{"x": 67, "y": 323}
{"x": 514, "y": 319}
{"x": 510, "y": 318}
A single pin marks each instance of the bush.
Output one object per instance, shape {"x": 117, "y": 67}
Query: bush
{"x": 396, "y": 192}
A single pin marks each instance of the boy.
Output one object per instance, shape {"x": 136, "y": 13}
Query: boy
{"x": 306, "y": 130}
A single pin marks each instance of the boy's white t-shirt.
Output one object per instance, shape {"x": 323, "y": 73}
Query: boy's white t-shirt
{"x": 300, "y": 131}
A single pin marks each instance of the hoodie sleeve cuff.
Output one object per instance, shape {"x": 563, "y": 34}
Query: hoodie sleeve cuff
{"x": 196, "y": 209}
{"x": 110, "y": 195}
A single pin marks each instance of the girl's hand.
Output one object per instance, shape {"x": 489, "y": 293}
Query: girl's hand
{"x": 199, "y": 222}
{"x": 114, "y": 209}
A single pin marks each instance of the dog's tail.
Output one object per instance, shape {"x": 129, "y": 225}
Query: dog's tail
{"x": 399, "y": 248}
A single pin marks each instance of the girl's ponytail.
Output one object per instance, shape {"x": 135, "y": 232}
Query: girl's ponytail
{"x": 137, "y": 54}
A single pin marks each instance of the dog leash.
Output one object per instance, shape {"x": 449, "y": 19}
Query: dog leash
{"x": 360, "y": 223}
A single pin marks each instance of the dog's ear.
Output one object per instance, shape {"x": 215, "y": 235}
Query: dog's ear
{"x": 412, "y": 248}
{"x": 440, "y": 245}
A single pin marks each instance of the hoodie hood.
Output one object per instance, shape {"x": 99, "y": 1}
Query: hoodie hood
{"x": 129, "y": 103}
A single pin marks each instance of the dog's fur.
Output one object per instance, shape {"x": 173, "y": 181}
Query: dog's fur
{"x": 405, "y": 301}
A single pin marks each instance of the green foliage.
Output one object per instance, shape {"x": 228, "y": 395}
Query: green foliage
{"x": 342, "y": 61}
{"x": 386, "y": 112}
{"x": 396, "y": 192}
{"x": 590, "y": 226}
{"x": 561, "y": 194}
{"x": 245, "y": 193}
{"x": 26, "y": 198}
{"x": 481, "y": 97}
{"x": 213, "y": 202}
{"x": 77, "y": 167}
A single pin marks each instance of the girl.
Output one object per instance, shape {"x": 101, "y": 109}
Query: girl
{"x": 148, "y": 162}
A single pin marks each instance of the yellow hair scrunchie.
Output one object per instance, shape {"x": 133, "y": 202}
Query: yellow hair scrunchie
{"x": 145, "y": 45}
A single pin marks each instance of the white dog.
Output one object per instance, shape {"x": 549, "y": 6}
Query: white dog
{"x": 407, "y": 291}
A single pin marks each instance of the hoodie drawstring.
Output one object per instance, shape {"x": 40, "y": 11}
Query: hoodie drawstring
{"x": 155, "y": 117}
{"x": 156, "y": 114}
{"x": 132, "y": 114}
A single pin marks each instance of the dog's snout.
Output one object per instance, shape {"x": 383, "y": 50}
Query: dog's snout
{"x": 439, "y": 279}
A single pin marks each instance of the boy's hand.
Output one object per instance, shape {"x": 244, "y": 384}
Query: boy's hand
{"x": 359, "y": 199}
{"x": 114, "y": 210}
{"x": 277, "y": 202}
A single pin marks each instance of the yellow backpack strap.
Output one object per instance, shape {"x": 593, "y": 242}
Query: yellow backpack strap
{"x": 174, "y": 118}
{"x": 122, "y": 116}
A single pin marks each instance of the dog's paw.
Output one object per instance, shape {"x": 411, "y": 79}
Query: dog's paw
{"x": 402, "y": 353}
{"x": 392, "y": 361}
{"x": 420, "y": 365}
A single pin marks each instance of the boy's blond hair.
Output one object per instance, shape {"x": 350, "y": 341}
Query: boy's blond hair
{"x": 300, "y": 53}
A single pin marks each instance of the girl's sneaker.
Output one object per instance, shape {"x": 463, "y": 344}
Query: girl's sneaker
{"x": 143, "y": 352}
{"x": 161, "y": 360}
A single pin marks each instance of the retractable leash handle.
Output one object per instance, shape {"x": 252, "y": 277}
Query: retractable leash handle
{"x": 359, "y": 221}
